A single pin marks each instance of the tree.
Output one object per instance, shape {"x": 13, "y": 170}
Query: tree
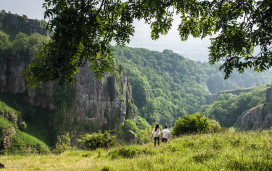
{"x": 129, "y": 130}
{"x": 4, "y": 43}
{"x": 84, "y": 29}
{"x": 196, "y": 123}
{"x": 190, "y": 124}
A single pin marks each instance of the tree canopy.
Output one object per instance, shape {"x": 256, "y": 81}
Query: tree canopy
{"x": 83, "y": 30}
{"x": 167, "y": 86}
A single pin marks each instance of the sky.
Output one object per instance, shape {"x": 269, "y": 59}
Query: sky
{"x": 196, "y": 49}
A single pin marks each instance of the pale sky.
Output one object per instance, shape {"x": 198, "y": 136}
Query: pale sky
{"x": 193, "y": 48}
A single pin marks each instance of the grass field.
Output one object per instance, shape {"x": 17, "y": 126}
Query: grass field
{"x": 228, "y": 150}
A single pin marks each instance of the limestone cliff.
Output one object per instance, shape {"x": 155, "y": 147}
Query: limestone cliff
{"x": 87, "y": 106}
{"x": 259, "y": 117}
{"x": 13, "y": 24}
{"x": 92, "y": 102}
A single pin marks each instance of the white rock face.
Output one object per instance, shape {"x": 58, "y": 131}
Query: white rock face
{"x": 259, "y": 117}
{"x": 98, "y": 102}
{"x": 254, "y": 119}
{"x": 102, "y": 104}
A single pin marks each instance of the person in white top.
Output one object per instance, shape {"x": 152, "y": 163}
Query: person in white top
{"x": 165, "y": 134}
{"x": 156, "y": 134}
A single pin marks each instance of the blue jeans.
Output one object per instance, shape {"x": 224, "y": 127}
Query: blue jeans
{"x": 156, "y": 139}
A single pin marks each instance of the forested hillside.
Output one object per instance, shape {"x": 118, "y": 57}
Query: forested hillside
{"x": 230, "y": 105}
{"x": 166, "y": 85}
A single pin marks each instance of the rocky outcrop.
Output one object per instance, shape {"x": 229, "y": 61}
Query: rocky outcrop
{"x": 13, "y": 24}
{"x": 259, "y": 117}
{"x": 85, "y": 107}
{"x": 12, "y": 75}
{"x": 7, "y": 137}
{"x": 10, "y": 116}
{"x": 268, "y": 94}
{"x": 91, "y": 101}
{"x": 103, "y": 102}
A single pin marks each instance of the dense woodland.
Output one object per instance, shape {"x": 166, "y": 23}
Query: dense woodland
{"x": 167, "y": 85}
{"x": 20, "y": 46}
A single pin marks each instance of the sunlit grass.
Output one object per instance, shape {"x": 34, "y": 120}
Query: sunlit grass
{"x": 221, "y": 151}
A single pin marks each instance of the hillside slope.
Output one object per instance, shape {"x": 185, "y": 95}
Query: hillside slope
{"x": 166, "y": 85}
{"x": 246, "y": 109}
{"x": 13, "y": 139}
{"x": 259, "y": 117}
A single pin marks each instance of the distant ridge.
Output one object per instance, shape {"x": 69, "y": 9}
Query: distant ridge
{"x": 12, "y": 24}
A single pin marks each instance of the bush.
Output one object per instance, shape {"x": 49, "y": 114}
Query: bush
{"x": 22, "y": 126}
{"x": 145, "y": 136}
{"x": 63, "y": 144}
{"x": 213, "y": 126}
{"x": 135, "y": 132}
{"x": 129, "y": 131}
{"x": 97, "y": 140}
{"x": 195, "y": 124}
{"x": 142, "y": 123}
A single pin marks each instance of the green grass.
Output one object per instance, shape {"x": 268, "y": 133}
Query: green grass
{"x": 221, "y": 151}
{"x": 22, "y": 142}
{"x": 4, "y": 107}
{"x": 25, "y": 143}
{"x": 36, "y": 118}
{"x": 5, "y": 124}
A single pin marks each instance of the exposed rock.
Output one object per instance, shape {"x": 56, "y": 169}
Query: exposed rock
{"x": 97, "y": 101}
{"x": 12, "y": 23}
{"x": 269, "y": 95}
{"x": 259, "y": 117}
{"x": 7, "y": 137}
{"x": 94, "y": 104}
{"x": 12, "y": 117}
{"x": 89, "y": 105}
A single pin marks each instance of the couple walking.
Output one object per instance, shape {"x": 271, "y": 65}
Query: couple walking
{"x": 157, "y": 133}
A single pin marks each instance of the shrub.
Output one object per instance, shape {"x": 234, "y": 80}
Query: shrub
{"x": 97, "y": 140}
{"x": 195, "y": 124}
{"x": 145, "y": 136}
{"x": 22, "y": 126}
{"x": 63, "y": 144}
{"x": 213, "y": 126}
{"x": 129, "y": 131}
{"x": 142, "y": 123}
